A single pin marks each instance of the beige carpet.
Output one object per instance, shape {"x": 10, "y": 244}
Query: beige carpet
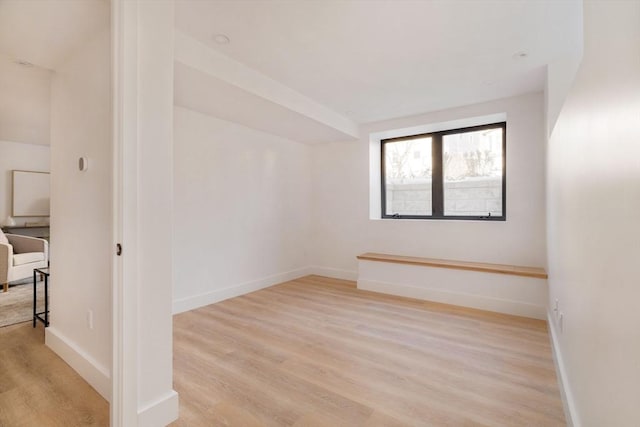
{"x": 17, "y": 305}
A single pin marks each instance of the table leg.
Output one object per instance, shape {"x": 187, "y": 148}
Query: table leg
{"x": 46, "y": 300}
{"x": 34, "y": 298}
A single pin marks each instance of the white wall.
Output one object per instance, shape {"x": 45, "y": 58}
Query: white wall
{"x": 24, "y": 104}
{"x": 242, "y": 209}
{"x": 560, "y": 77}
{"x": 561, "y": 72}
{"x": 342, "y": 228}
{"x": 81, "y": 210}
{"x": 15, "y": 155}
{"x": 594, "y": 227}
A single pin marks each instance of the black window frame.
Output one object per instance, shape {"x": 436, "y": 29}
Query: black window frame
{"x": 437, "y": 183}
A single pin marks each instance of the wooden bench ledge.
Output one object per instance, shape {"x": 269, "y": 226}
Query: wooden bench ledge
{"x": 514, "y": 270}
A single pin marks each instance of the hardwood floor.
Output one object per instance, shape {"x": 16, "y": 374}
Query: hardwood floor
{"x": 319, "y": 352}
{"x": 37, "y": 388}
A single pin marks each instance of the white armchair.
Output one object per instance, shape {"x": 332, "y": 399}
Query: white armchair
{"x": 20, "y": 256}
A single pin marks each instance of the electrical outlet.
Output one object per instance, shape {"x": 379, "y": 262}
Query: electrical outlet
{"x": 90, "y": 319}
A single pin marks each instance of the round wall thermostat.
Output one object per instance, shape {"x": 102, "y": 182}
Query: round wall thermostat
{"x": 83, "y": 164}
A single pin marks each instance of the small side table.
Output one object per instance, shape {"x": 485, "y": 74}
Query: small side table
{"x": 44, "y": 272}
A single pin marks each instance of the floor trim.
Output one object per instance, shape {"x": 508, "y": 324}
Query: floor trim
{"x": 93, "y": 372}
{"x": 190, "y": 303}
{"x": 161, "y": 412}
{"x": 570, "y": 412}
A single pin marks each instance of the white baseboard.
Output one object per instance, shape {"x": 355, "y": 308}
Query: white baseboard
{"x": 568, "y": 402}
{"x": 94, "y": 373}
{"x": 160, "y": 413}
{"x": 201, "y": 300}
{"x": 334, "y": 273}
{"x": 516, "y": 308}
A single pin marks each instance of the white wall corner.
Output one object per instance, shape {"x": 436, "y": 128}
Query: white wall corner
{"x": 161, "y": 412}
{"x": 561, "y": 73}
{"x": 97, "y": 375}
{"x": 559, "y": 80}
{"x": 570, "y": 411}
{"x": 334, "y": 273}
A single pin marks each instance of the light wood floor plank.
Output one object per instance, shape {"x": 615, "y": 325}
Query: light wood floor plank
{"x": 37, "y": 388}
{"x": 319, "y": 352}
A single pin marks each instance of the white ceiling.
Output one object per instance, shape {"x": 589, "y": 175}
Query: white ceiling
{"x": 374, "y": 60}
{"x": 45, "y": 32}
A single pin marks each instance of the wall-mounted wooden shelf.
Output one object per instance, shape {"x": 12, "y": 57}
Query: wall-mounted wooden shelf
{"x": 514, "y": 270}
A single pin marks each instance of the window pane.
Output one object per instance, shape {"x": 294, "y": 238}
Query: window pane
{"x": 408, "y": 169}
{"x": 472, "y": 169}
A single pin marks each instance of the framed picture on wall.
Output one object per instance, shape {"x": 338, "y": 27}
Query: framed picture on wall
{"x": 31, "y": 193}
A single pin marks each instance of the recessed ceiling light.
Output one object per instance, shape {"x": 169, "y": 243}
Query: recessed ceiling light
{"x": 24, "y": 63}
{"x": 221, "y": 39}
{"x": 520, "y": 55}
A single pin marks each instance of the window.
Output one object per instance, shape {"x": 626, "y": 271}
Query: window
{"x": 453, "y": 174}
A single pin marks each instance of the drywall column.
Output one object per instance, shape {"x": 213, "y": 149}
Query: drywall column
{"x": 593, "y": 230}
{"x": 561, "y": 72}
{"x": 143, "y": 371}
